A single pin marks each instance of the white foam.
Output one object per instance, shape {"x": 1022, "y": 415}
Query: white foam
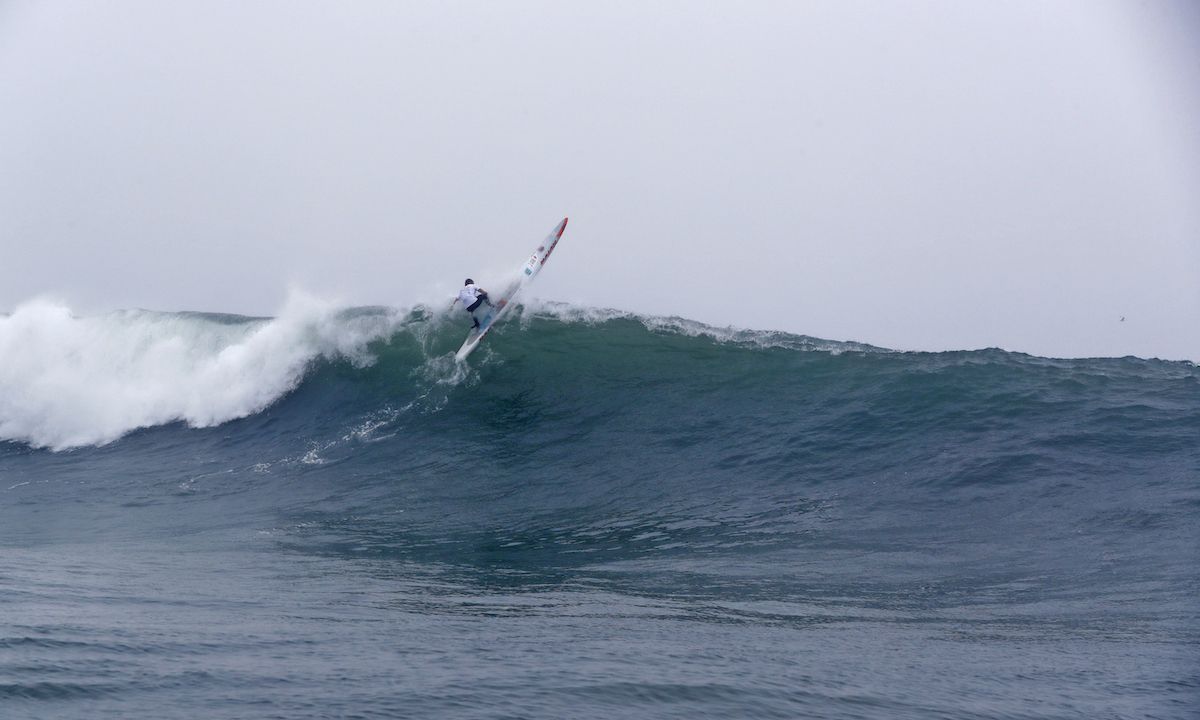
{"x": 67, "y": 381}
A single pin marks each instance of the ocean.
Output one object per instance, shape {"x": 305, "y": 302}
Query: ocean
{"x": 601, "y": 515}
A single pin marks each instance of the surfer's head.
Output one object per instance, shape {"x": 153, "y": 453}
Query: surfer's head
{"x": 469, "y": 282}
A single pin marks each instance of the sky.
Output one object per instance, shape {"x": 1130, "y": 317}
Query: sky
{"x": 923, "y": 175}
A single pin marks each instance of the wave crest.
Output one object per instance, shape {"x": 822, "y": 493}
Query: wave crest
{"x": 67, "y": 381}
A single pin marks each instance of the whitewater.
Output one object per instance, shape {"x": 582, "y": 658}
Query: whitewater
{"x": 67, "y": 381}
{"x": 321, "y": 514}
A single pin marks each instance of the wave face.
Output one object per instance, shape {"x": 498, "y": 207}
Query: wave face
{"x": 321, "y": 514}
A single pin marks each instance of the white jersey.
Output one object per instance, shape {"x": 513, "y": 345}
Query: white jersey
{"x": 467, "y": 296}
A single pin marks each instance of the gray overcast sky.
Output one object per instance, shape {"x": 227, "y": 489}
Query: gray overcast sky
{"x": 918, "y": 175}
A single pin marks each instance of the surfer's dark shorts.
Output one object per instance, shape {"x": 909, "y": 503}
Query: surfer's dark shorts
{"x": 481, "y": 298}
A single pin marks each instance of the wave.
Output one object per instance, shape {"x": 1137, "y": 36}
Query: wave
{"x": 68, "y": 381}
{"x": 577, "y": 436}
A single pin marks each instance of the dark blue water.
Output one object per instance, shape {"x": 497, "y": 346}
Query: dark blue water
{"x": 604, "y": 517}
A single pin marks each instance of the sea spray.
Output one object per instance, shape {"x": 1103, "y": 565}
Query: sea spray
{"x": 67, "y": 381}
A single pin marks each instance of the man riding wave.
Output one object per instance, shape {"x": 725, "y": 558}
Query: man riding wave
{"x": 472, "y": 297}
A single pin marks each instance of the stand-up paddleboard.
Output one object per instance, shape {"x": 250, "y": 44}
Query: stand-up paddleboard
{"x": 502, "y": 302}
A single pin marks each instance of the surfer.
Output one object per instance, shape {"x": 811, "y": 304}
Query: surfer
{"x": 472, "y": 297}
